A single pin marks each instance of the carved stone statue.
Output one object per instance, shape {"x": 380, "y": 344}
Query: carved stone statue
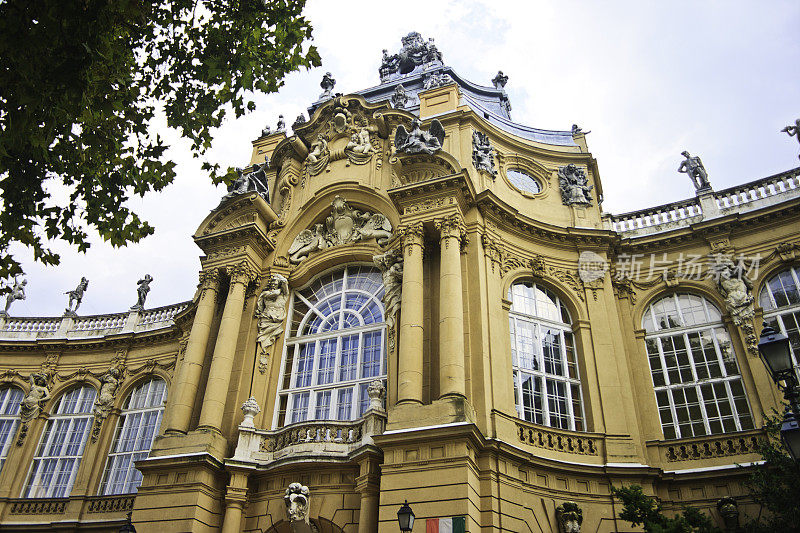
{"x": 299, "y": 121}
{"x": 252, "y": 180}
{"x": 31, "y": 404}
{"x": 570, "y": 517}
{"x": 296, "y": 500}
{"x": 108, "y": 391}
{"x": 376, "y": 392}
{"x": 414, "y": 53}
{"x": 399, "y": 98}
{"x": 737, "y": 291}
{"x": 360, "y": 143}
{"x": 344, "y": 225}
{"x": 142, "y": 290}
{"x": 574, "y": 185}
{"x": 319, "y": 155}
{"x": 417, "y": 141}
{"x": 729, "y": 511}
{"x": 271, "y": 310}
{"x": 391, "y": 264}
{"x": 500, "y": 80}
{"x": 307, "y": 242}
{"x": 482, "y": 153}
{"x": 266, "y": 131}
{"x": 436, "y": 79}
{"x": 793, "y": 131}
{"x": 327, "y": 85}
{"x": 76, "y": 296}
{"x": 17, "y": 293}
{"x": 693, "y": 167}
{"x": 281, "y": 124}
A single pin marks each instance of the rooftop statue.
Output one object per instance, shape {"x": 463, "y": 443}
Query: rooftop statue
{"x": 299, "y": 121}
{"x": 17, "y": 293}
{"x": 266, "y": 131}
{"x": 76, "y": 296}
{"x": 437, "y": 79}
{"x": 399, "y": 98}
{"x": 415, "y": 52}
{"x": 693, "y": 167}
{"x": 500, "y": 80}
{"x": 417, "y": 141}
{"x": 793, "y": 131}
{"x": 281, "y": 124}
{"x": 142, "y": 290}
{"x": 252, "y": 180}
{"x": 574, "y": 185}
{"x": 327, "y": 85}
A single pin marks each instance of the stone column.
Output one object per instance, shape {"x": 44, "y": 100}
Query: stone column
{"x": 409, "y": 367}
{"x": 219, "y": 376}
{"x": 179, "y": 414}
{"x": 451, "y": 308}
{"x": 235, "y": 498}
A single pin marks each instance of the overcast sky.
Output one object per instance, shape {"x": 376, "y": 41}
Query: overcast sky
{"x": 649, "y": 79}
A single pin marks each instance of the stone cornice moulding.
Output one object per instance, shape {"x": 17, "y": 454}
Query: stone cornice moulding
{"x": 457, "y": 185}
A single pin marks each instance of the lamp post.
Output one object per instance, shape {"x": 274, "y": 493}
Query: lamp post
{"x": 405, "y": 517}
{"x": 773, "y": 347}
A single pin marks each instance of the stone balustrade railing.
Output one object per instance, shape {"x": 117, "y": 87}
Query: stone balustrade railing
{"x": 557, "y": 440}
{"x": 312, "y": 438}
{"x": 38, "y": 506}
{"x": 748, "y": 197}
{"x": 66, "y": 327}
{"x": 742, "y": 443}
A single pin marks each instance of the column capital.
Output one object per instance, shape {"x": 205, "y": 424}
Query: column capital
{"x": 451, "y": 226}
{"x": 209, "y": 279}
{"x": 412, "y": 234}
{"x": 242, "y": 273}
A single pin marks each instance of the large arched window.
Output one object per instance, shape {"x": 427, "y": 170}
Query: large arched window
{"x": 138, "y": 426}
{"x": 61, "y": 447}
{"x": 780, "y": 300}
{"x": 334, "y": 347}
{"x": 547, "y": 387}
{"x": 693, "y": 365}
{"x": 10, "y": 399}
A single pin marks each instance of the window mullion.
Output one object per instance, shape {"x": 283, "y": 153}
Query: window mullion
{"x": 734, "y": 410}
{"x": 703, "y": 411}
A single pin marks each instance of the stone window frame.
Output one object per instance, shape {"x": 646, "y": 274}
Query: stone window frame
{"x": 292, "y": 398}
{"x": 63, "y": 423}
{"x": 520, "y": 163}
{"x": 691, "y": 382}
{"x": 785, "y": 318}
{"x": 546, "y": 381}
{"x": 10, "y": 402}
{"x": 146, "y": 405}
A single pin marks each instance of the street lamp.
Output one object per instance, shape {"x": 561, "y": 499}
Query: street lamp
{"x": 774, "y": 350}
{"x": 405, "y": 517}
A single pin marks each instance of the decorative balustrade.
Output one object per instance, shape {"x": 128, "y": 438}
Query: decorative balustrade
{"x": 753, "y": 195}
{"x": 110, "y": 504}
{"x": 558, "y": 440}
{"x": 39, "y": 506}
{"x": 335, "y": 432}
{"x": 13, "y": 328}
{"x": 712, "y": 447}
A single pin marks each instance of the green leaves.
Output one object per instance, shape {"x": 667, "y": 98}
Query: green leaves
{"x": 80, "y": 83}
{"x": 642, "y": 510}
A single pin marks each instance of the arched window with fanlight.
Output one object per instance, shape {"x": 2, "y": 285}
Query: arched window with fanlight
{"x": 697, "y": 382}
{"x": 10, "y": 400}
{"x": 60, "y": 449}
{"x": 780, "y": 300}
{"x": 137, "y": 428}
{"x": 334, "y": 347}
{"x": 547, "y": 386}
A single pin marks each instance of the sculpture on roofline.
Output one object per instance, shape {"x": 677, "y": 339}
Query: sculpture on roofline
{"x": 142, "y": 290}
{"x": 76, "y": 296}
{"x": 399, "y": 98}
{"x": 500, "y": 80}
{"x": 574, "y": 185}
{"x": 17, "y": 293}
{"x": 693, "y": 167}
{"x": 266, "y": 131}
{"x": 271, "y": 310}
{"x": 299, "y": 121}
{"x": 436, "y": 79}
{"x": 327, "y": 85}
{"x": 793, "y": 131}
{"x": 281, "y": 124}
{"x": 482, "y": 153}
{"x": 417, "y": 141}
{"x": 252, "y": 180}
{"x": 414, "y": 53}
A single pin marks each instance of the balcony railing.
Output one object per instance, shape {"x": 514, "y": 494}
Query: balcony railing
{"x": 742, "y": 443}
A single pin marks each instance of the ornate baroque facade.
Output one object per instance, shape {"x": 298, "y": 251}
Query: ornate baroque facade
{"x": 411, "y": 297}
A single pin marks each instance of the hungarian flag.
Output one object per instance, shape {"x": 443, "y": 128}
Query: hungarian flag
{"x": 455, "y": 524}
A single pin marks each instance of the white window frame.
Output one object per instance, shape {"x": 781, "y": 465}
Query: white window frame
{"x": 33, "y": 487}
{"x": 138, "y": 453}
{"x": 541, "y": 376}
{"x": 710, "y": 328}
{"x": 778, "y": 313}
{"x": 335, "y": 385}
{"x": 9, "y": 417}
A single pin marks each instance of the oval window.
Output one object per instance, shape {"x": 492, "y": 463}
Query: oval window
{"x": 523, "y": 182}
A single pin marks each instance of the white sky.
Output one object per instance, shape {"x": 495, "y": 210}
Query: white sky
{"x": 649, "y": 79}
